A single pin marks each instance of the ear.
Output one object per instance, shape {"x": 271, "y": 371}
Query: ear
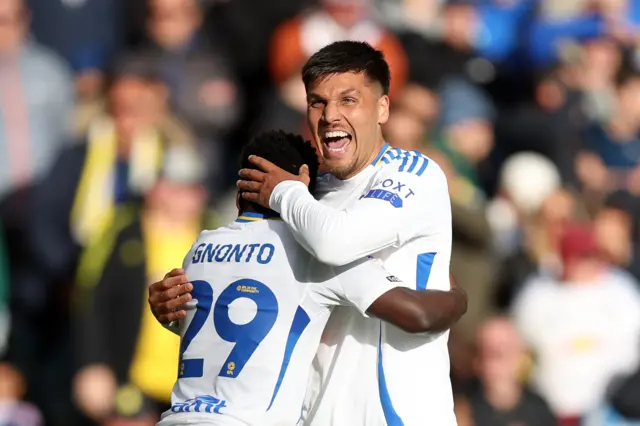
{"x": 383, "y": 109}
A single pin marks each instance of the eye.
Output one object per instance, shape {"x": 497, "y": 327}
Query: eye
{"x": 316, "y": 103}
{"x": 349, "y": 100}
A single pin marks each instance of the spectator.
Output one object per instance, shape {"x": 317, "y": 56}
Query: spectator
{"x": 295, "y": 40}
{"x": 526, "y": 217}
{"x": 119, "y": 160}
{"x": 616, "y": 232}
{"x": 129, "y": 371}
{"x": 414, "y": 114}
{"x": 501, "y": 399}
{"x": 583, "y": 328}
{"x": 14, "y": 411}
{"x": 71, "y": 29}
{"x": 466, "y": 139}
{"x": 202, "y": 88}
{"x": 36, "y": 98}
{"x": 611, "y": 157}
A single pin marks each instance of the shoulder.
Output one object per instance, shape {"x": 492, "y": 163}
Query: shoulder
{"x": 410, "y": 175}
{"x": 623, "y": 283}
{"x": 44, "y": 58}
{"x": 399, "y": 162}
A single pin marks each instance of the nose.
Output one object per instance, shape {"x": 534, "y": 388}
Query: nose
{"x": 331, "y": 113}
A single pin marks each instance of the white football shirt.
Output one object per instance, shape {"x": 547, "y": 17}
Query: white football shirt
{"x": 367, "y": 372}
{"x": 260, "y": 305}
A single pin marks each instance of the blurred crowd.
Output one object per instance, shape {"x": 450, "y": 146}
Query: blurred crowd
{"x": 120, "y": 126}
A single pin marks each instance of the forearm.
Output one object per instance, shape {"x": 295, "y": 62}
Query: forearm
{"x": 420, "y": 311}
{"x": 442, "y": 309}
{"x": 335, "y": 237}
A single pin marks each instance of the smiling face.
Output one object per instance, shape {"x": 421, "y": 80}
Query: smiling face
{"x": 344, "y": 114}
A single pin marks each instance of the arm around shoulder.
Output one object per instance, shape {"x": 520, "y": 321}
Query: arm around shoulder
{"x": 386, "y": 214}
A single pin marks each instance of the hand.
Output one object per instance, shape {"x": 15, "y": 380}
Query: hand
{"x": 94, "y": 389}
{"x": 166, "y": 296}
{"x": 257, "y": 185}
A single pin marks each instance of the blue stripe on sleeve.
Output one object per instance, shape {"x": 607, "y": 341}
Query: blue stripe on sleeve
{"x": 390, "y": 415}
{"x": 425, "y": 162}
{"x": 300, "y": 321}
{"x": 423, "y": 269}
{"x": 414, "y": 163}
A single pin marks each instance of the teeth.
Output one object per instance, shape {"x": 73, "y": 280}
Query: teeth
{"x": 341, "y": 149}
{"x": 336, "y": 134}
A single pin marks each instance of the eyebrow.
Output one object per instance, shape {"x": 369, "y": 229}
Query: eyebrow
{"x": 315, "y": 96}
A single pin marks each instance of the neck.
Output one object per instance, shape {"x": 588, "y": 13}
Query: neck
{"x": 253, "y": 208}
{"x": 503, "y": 396}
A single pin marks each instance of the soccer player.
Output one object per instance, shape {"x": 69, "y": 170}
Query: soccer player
{"x": 376, "y": 200}
{"x": 260, "y": 304}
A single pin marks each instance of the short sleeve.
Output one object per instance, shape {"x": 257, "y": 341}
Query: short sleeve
{"x": 357, "y": 284}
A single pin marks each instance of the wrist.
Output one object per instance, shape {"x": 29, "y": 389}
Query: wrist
{"x": 281, "y": 190}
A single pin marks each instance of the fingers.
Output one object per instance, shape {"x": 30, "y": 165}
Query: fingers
{"x": 173, "y": 316}
{"x": 265, "y": 165}
{"x": 172, "y": 282}
{"x": 251, "y": 196}
{"x": 247, "y": 185}
{"x": 175, "y": 272}
{"x": 176, "y": 291}
{"x": 252, "y": 174}
{"x": 172, "y": 305}
{"x": 304, "y": 174}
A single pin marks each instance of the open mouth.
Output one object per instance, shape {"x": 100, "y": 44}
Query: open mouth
{"x": 336, "y": 142}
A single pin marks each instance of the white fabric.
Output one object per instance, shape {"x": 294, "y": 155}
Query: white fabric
{"x": 582, "y": 336}
{"x": 227, "y": 391}
{"x": 397, "y": 211}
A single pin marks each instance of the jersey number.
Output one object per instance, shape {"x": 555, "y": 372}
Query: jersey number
{"x": 246, "y": 337}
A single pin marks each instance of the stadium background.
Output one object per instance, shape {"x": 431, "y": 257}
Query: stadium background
{"x": 120, "y": 125}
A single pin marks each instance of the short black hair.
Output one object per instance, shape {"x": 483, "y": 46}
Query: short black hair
{"x": 285, "y": 150}
{"x": 347, "y": 56}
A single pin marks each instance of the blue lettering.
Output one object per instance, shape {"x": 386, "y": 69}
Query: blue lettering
{"x": 237, "y": 253}
{"x": 252, "y": 247}
{"x": 260, "y": 257}
{"x": 198, "y": 253}
{"x": 399, "y": 186}
{"x": 220, "y": 256}
{"x": 210, "y": 251}
{"x": 410, "y": 193}
{"x": 204, "y": 403}
{"x": 390, "y": 197}
{"x": 387, "y": 183}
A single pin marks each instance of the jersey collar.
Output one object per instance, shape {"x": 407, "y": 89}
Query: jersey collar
{"x": 253, "y": 217}
{"x": 385, "y": 148}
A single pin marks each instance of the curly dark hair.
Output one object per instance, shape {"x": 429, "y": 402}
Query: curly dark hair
{"x": 285, "y": 150}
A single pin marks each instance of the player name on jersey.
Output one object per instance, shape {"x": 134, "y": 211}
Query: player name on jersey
{"x": 240, "y": 253}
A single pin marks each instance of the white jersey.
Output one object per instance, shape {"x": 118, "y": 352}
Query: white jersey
{"x": 368, "y": 372}
{"x": 260, "y": 305}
